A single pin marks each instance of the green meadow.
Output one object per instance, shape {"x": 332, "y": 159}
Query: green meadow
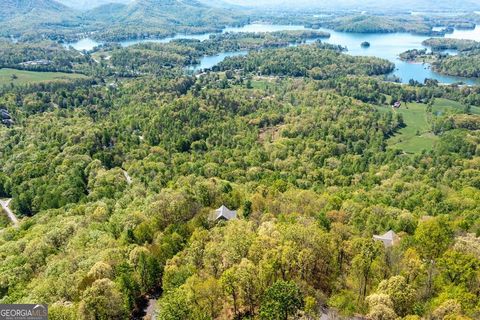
{"x": 20, "y": 77}
{"x": 417, "y": 135}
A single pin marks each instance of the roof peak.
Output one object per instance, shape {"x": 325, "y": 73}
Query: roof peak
{"x": 224, "y": 212}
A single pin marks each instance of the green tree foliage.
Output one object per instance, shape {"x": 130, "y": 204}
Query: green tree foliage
{"x": 39, "y": 56}
{"x": 381, "y": 307}
{"x": 401, "y": 294}
{"x": 174, "y": 306}
{"x": 433, "y": 237}
{"x": 114, "y": 186}
{"x": 460, "y": 268}
{"x": 368, "y": 251}
{"x": 280, "y": 301}
{"x": 307, "y": 61}
{"x": 439, "y": 44}
{"x": 464, "y": 65}
{"x": 364, "y": 23}
{"x": 101, "y": 301}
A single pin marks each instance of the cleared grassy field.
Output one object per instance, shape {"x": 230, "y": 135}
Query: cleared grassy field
{"x": 445, "y": 105}
{"x": 259, "y": 84}
{"x": 417, "y": 135}
{"x": 19, "y": 77}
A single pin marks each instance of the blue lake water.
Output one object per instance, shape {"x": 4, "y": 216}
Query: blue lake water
{"x": 84, "y": 44}
{"x": 208, "y": 62}
{"x": 387, "y": 46}
{"x": 466, "y": 34}
{"x": 205, "y": 36}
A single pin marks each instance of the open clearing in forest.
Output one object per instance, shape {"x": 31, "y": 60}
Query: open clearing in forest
{"x": 417, "y": 134}
{"x": 20, "y": 77}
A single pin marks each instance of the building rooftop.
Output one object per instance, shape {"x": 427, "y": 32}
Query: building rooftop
{"x": 223, "y": 213}
{"x": 389, "y": 238}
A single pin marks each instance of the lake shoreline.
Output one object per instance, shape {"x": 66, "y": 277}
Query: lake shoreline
{"x": 382, "y": 45}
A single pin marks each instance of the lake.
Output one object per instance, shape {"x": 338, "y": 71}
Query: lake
{"x": 383, "y": 45}
{"x": 89, "y": 44}
{"x": 84, "y": 44}
{"x": 390, "y": 45}
{"x": 208, "y": 62}
{"x": 205, "y": 36}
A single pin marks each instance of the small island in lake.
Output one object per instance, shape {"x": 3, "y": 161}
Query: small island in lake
{"x": 365, "y": 44}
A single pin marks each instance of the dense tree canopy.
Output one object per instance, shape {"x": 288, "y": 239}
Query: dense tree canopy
{"x": 307, "y": 61}
{"x": 115, "y": 184}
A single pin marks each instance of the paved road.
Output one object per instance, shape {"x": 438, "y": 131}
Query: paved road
{"x": 127, "y": 177}
{"x": 151, "y": 310}
{"x": 5, "y": 205}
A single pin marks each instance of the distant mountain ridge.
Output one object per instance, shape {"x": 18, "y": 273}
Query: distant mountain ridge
{"x": 90, "y": 4}
{"x": 393, "y": 5}
{"x": 23, "y": 17}
{"x": 37, "y": 18}
{"x": 12, "y": 8}
{"x": 116, "y": 20}
{"x": 191, "y": 13}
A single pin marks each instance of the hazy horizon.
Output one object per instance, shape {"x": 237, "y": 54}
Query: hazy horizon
{"x": 393, "y": 5}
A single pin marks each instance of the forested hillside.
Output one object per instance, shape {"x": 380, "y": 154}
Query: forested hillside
{"x": 115, "y": 180}
{"x": 90, "y": 4}
{"x": 40, "y": 56}
{"x": 176, "y": 13}
{"x": 34, "y": 17}
{"x": 119, "y": 20}
{"x": 19, "y": 8}
{"x": 40, "y": 19}
{"x": 311, "y": 61}
{"x": 463, "y": 62}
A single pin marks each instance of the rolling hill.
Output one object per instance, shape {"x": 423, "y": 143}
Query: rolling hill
{"x": 90, "y": 4}
{"x": 31, "y": 19}
{"x": 176, "y": 12}
{"x": 21, "y": 16}
{"x": 106, "y": 12}
{"x": 12, "y": 8}
{"x": 165, "y": 15}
